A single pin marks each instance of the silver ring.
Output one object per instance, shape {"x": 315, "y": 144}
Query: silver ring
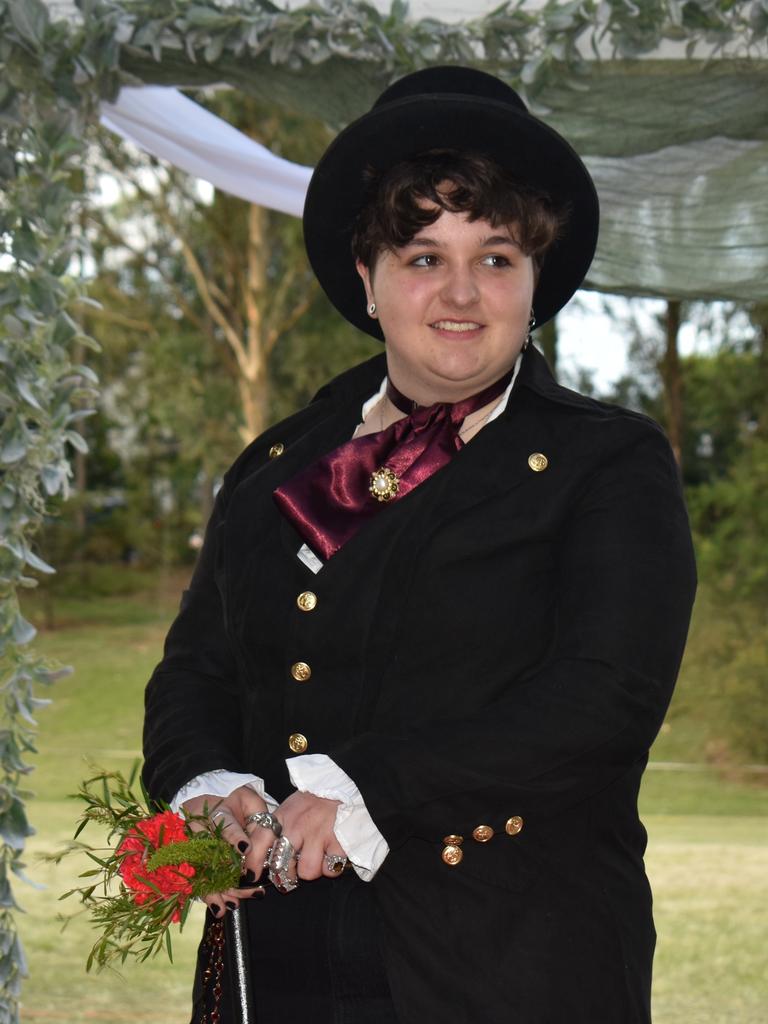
{"x": 268, "y": 854}
{"x": 214, "y": 815}
{"x": 335, "y": 863}
{"x": 279, "y": 862}
{"x": 282, "y": 854}
{"x": 264, "y": 820}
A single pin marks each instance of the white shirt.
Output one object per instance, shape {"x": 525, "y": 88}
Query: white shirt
{"x": 318, "y": 774}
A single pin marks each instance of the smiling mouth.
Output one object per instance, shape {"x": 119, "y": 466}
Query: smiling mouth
{"x": 458, "y": 326}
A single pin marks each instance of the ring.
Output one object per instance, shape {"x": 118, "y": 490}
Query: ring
{"x": 264, "y": 820}
{"x": 268, "y": 854}
{"x": 282, "y": 854}
{"x": 214, "y": 815}
{"x": 279, "y": 862}
{"x": 335, "y": 863}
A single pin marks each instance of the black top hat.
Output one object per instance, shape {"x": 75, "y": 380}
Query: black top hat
{"x": 447, "y": 108}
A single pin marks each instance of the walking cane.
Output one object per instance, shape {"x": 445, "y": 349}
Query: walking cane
{"x": 239, "y": 967}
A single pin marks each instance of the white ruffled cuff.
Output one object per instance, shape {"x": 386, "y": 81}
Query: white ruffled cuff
{"x": 220, "y": 783}
{"x": 354, "y": 828}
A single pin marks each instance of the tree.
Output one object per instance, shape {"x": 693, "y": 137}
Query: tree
{"x": 235, "y": 272}
{"x": 671, "y": 378}
{"x": 728, "y": 502}
{"x": 730, "y": 508}
{"x": 191, "y": 310}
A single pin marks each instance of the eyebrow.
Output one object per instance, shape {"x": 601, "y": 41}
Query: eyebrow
{"x": 492, "y": 240}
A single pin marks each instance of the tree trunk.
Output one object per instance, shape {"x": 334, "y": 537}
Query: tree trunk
{"x": 759, "y": 317}
{"x": 254, "y": 398}
{"x": 672, "y": 380}
{"x": 253, "y": 385}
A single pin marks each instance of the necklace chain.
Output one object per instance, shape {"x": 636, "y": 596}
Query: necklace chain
{"x": 466, "y": 427}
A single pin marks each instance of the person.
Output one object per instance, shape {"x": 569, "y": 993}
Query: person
{"x": 438, "y": 613}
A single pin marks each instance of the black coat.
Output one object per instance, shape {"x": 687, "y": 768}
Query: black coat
{"x": 523, "y": 631}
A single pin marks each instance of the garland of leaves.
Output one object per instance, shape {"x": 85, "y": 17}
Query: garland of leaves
{"x": 286, "y": 56}
{"x": 41, "y": 392}
{"x": 520, "y": 38}
{"x": 53, "y": 73}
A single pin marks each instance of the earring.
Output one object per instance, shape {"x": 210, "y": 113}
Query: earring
{"x": 372, "y": 309}
{"x": 531, "y": 325}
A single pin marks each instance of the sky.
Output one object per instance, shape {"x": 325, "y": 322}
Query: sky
{"x": 590, "y": 338}
{"x": 590, "y": 335}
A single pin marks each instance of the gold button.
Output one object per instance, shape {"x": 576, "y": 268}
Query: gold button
{"x": 301, "y": 671}
{"x": 307, "y": 601}
{"x": 513, "y": 825}
{"x": 276, "y": 449}
{"x": 297, "y": 742}
{"x": 538, "y": 462}
{"x": 482, "y": 833}
{"x": 453, "y": 840}
{"x": 452, "y": 855}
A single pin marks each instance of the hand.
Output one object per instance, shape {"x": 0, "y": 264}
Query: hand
{"x": 252, "y": 845}
{"x": 308, "y": 822}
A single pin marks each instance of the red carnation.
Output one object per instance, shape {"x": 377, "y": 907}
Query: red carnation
{"x": 171, "y": 880}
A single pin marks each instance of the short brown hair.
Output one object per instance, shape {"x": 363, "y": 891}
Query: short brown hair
{"x": 478, "y": 186}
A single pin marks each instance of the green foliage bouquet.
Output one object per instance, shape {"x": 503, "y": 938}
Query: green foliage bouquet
{"x": 151, "y": 869}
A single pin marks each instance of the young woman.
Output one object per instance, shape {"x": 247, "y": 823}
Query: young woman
{"x": 439, "y": 612}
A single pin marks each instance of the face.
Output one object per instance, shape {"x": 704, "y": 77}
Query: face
{"x": 454, "y": 305}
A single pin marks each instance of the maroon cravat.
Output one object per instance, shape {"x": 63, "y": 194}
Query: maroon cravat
{"x": 329, "y": 500}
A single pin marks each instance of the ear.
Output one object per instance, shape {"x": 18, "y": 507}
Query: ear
{"x": 367, "y": 280}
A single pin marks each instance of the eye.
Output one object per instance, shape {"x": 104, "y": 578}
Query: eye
{"x": 495, "y": 259}
{"x": 427, "y": 259}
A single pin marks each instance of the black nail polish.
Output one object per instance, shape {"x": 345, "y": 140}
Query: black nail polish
{"x": 231, "y": 905}
{"x": 215, "y": 909}
{"x": 242, "y": 846}
{"x": 258, "y": 894}
{"x": 248, "y": 878}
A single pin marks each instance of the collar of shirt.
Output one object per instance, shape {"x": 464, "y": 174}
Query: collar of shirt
{"x": 497, "y": 410}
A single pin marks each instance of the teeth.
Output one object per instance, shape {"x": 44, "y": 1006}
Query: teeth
{"x": 452, "y": 325}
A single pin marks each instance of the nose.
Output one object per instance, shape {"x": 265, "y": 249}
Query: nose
{"x": 459, "y": 288}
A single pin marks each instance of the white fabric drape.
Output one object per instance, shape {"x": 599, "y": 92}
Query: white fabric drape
{"x": 167, "y": 124}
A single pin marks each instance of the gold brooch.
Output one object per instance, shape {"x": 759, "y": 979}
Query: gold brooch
{"x": 384, "y": 484}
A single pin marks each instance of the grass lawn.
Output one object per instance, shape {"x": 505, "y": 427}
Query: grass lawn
{"x": 710, "y": 881}
{"x": 707, "y": 855}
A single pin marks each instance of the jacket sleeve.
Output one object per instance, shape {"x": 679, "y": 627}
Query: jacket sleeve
{"x": 191, "y": 722}
{"x": 593, "y": 707}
